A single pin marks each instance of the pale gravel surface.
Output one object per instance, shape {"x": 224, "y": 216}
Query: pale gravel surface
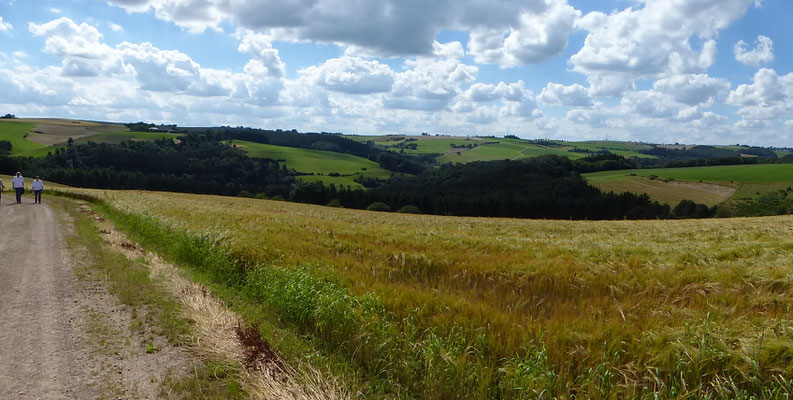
{"x": 41, "y": 342}
{"x": 62, "y": 337}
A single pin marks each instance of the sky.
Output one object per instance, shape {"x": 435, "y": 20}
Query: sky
{"x": 662, "y": 71}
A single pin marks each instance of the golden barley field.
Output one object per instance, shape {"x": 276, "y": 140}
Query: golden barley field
{"x": 600, "y": 309}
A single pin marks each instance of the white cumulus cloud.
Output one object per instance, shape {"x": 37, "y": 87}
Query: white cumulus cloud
{"x": 481, "y": 92}
{"x": 693, "y": 89}
{"x": 763, "y": 52}
{"x": 260, "y": 47}
{"x": 652, "y": 41}
{"x": 769, "y": 97}
{"x": 79, "y": 46}
{"x": 429, "y": 85}
{"x": 593, "y": 117}
{"x": 5, "y": 26}
{"x": 352, "y": 75}
{"x": 557, "y": 94}
{"x": 536, "y": 37}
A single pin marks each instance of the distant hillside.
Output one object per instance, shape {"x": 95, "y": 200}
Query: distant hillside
{"x": 744, "y": 190}
{"x": 39, "y": 136}
{"x": 451, "y": 149}
{"x": 332, "y": 168}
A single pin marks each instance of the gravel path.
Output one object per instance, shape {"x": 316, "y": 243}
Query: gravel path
{"x": 41, "y": 351}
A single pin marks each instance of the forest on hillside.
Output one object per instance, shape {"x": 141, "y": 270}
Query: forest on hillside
{"x": 201, "y": 161}
{"x": 543, "y": 187}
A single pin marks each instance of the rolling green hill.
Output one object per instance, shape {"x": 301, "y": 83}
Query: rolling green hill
{"x": 709, "y": 185}
{"x": 319, "y": 162}
{"x": 16, "y": 132}
{"x": 720, "y": 173}
{"x": 37, "y": 137}
{"x": 470, "y": 149}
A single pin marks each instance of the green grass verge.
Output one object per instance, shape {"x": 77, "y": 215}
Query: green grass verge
{"x": 212, "y": 381}
{"x": 131, "y": 282}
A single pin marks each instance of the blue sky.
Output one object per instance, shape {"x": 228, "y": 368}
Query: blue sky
{"x": 689, "y": 71}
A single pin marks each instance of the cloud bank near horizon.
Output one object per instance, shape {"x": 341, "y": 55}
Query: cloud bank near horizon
{"x": 655, "y": 71}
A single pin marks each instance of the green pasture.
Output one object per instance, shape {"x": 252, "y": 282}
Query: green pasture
{"x": 708, "y": 185}
{"x": 318, "y": 162}
{"x": 489, "y": 152}
{"x": 430, "y": 144}
{"x": 489, "y": 149}
{"x": 15, "y": 132}
{"x": 721, "y": 173}
{"x": 625, "y": 149}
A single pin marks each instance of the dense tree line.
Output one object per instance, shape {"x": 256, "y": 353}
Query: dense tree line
{"x": 321, "y": 141}
{"x": 542, "y": 187}
{"x": 5, "y": 147}
{"x": 10, "y": 165}
{"x": 708, "y": 162}
{"x": 706, "y": 152}
{"x": 148, "y": 127}
{"x": 603, "y": 162}
{"x": 194, "y": 164}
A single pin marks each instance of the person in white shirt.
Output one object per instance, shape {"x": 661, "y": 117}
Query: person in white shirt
{"x": 19, "y": 186}
{"x": 38, "y": 187}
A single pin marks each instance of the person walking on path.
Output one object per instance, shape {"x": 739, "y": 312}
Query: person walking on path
{"x": 2, "y": 187}
{"x": 19, "y": 186}
{"x": 38, "y": 187}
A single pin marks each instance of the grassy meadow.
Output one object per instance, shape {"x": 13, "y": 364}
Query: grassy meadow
{"x": 319, "y": 162}
{"x": 709, "y": 185}
{"x": 490, "y": 149}
{"x": 16, "y": 133}
{"x": 37, "y": 137}
{"x": 445, "y": 307}
{"x": 721, "y": 173}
